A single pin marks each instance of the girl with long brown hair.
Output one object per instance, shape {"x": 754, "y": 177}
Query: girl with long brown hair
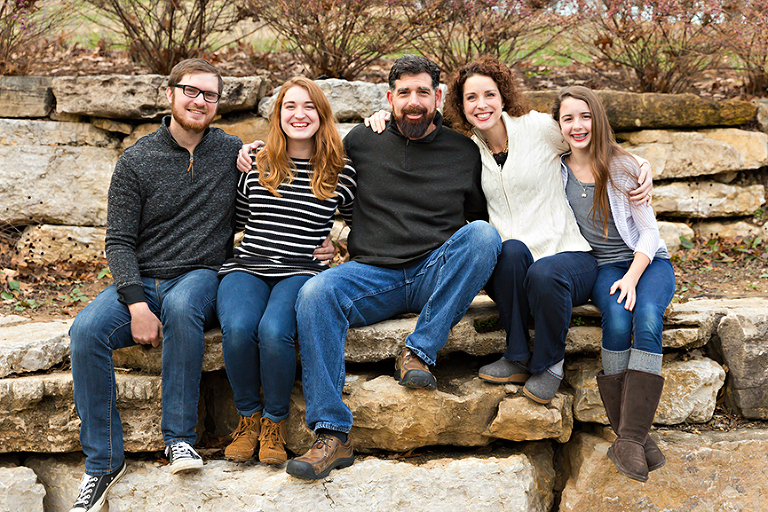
{"x": 635, "y": 280}
{"x": 286, "y": 205}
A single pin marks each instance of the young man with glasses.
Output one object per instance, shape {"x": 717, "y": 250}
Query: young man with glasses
{"x": 169, "y": 228}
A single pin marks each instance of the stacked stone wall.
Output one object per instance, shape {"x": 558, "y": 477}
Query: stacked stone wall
{"x": 482, "y": 446}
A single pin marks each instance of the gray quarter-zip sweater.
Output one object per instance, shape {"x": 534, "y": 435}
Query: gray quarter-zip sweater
{"x": 169, "y": 211}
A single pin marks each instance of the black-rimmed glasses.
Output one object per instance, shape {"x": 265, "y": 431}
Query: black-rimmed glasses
{"x": 193, "y": 92}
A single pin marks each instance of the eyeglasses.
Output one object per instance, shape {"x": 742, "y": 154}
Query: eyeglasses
{"x": 194, "y": 92}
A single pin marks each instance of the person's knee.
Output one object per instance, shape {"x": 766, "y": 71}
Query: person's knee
{"x": 318, "y": 292}
{"x": 616, "y": 328}
{"x": 483, "y": 235}
{"x": 273, "y": 336}
{"x": 648, "y": 320}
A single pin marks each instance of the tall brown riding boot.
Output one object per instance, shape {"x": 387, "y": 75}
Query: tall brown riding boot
{"x": 639, "y": 401}
{"x": 610, "y": 387}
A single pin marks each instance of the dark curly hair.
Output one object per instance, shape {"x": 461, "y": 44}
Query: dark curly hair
{"x": 485, "y": 66}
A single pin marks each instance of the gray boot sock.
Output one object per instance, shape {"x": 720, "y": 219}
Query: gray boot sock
{"x": 644, "y": 361}
{"x": 614, "y": 362}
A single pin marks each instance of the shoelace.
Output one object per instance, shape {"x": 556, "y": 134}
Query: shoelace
{"x": 322, "y": 440}
{"x": 271, "y": 433}
{"x": 87, "y": 485}
{"x": 181, "y": 450}
{"x": 242, "y": 427}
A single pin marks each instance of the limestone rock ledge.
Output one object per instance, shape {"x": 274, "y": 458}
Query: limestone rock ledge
{"x": 519, "y": 481}
{"x": 32, "y": 346}
{"x": 690, "y": 390}
{"x": 19, "y": 490}
{"x": 465, "y": 411}
{"x": 37, "y": 413}
{"x": 704, "y": 472}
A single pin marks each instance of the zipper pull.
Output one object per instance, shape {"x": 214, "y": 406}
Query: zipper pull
{"x": 191, "y": 161}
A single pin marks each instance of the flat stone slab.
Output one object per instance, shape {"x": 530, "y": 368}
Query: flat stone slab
{"x": 31, "y": 346}
{"x": 464, "y": 411}
{"x": 633, "y": 111}
{"x": 690, "y": 390}
{"x": 688, "y": 154}
{"x": 143, "y": 97}
{"x": 37, "y": 413}
{"x": 514, "y": 481}
{"x": 28, "y": 132}
{"x": 704, "y": 472}
{"x": 26, "y": 96}
{"x": 55, "y": 184}
{"x": 20, "y": 491}
{"x": 47, "y": 243}
{"x": 705, "y": 199}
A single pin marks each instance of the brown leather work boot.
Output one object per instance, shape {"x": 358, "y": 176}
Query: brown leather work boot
{"x": 412, "y": 372}
{"x": 326, "y": 453}
{"x": 272, "y": 441}
{"x": 245, "y": 438}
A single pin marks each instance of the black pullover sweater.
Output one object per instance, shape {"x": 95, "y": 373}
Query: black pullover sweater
{"x": 412, "y": 195}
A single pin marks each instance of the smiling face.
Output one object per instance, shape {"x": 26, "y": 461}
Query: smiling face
{"x": 414, "y": 104}
{"x": 576, "y": 123}
{"x": 298, "y": 116}
{"x": 193, "y": 114}
{"x": 482, "y": 102}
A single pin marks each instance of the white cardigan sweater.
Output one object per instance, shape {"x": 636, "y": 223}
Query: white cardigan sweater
{"x": 526, "y": 200}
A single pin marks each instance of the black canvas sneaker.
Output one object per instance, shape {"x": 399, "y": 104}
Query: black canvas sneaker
{"x": 93, "y": 490}
{"x": 182, "y": 457}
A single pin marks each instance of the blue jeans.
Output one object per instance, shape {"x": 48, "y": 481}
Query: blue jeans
{"x": 440, "y": 287}
{"x": 655, "y": 290}
{"x": 547, "y": 288}
{"x": 258, "y": 324}
{"x": 186, "y": 307}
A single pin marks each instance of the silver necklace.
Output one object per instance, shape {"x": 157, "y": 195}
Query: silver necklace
{"x": 583, "y": 186}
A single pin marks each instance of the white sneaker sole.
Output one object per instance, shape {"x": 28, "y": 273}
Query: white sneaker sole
{"x": 185, "y": 465}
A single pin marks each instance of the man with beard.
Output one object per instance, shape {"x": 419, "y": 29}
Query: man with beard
{"x": 169, "y": 228}
{"x": 411, "y": 248}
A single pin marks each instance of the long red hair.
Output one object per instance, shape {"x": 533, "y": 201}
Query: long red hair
{"x": 275, "y": 166}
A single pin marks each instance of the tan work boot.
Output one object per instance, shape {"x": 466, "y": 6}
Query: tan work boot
{"x": 412, "y": 372}
{"x": 326, "y": 453}
{"x": 272, "y": 441}
{"x": 245, "y": 438}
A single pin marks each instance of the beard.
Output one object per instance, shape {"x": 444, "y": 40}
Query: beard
{"x": 194, "y": 126}
{"x": 414, "y": 128}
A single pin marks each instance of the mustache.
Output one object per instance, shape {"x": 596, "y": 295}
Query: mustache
{"x": 414, "y": 110}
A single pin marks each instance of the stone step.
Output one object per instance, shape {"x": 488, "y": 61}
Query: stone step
{"x": 518, "y": 480}
{"x": 704, "y": 472}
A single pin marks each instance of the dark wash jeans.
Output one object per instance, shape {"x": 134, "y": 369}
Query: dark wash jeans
{"x": 547, "y": 289}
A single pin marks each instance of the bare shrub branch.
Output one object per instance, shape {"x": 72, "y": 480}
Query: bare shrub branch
{"x": 511, "y": 30}
{"x": 657, "y": 45}
{"x": 339, "y": 38}
{"x": 744, "y": 32}
{"x": 161, "y": 33}
{"x": 23, "y": 23}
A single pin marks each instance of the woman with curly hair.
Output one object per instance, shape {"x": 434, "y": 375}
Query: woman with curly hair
{"x": 286, "y": 205}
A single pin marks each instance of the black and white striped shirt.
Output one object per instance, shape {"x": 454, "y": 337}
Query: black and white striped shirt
{"x": 281, "y": 232}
